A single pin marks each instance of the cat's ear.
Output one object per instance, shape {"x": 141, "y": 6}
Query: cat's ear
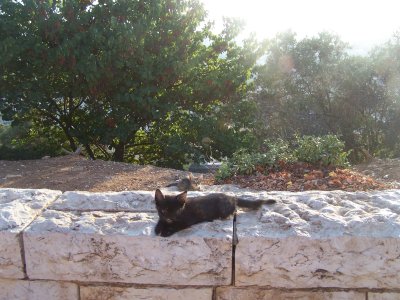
{"x": 182, "y": 197}
{"x": 158, "y": 196}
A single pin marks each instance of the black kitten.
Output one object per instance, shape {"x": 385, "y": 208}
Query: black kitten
{"x": 179, "y": 212}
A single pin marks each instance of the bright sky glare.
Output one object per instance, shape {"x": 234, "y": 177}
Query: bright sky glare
{"x": 361, "y": 23}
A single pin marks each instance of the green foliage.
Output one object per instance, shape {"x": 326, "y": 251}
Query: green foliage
{"x": 106, "y": 71}
{"x": 25, "y": 141}
{"x": 153, "y": 81}
{"x": 314, "y": 87}
{"x": 244, "y": 162}
{"x": 187, "y": 136}
{"x": 277, "y": 151}
{"x": 226, "y": 170}
{"x": 326, "y": 150}
{"x": 323, "y": 151}
{"x": 296, "y": 83}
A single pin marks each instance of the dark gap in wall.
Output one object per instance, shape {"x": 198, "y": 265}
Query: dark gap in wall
{"x": 79, "y": 292}
{"x": 214, "y": 293}
{"x": 366, "y": 295}
{"x": 22, "y": 249}
{"x": 235, "y": 241}
{"x": 21, "y": 236}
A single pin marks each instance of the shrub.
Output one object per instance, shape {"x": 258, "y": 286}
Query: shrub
{"x": 278, "y": 151}
{"x": 245, "y": 162}
{"x": 326, "y": 150}
{"x": 27, "y": 142}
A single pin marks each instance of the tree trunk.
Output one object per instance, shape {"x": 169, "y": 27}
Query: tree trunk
{"x": 71, "y": 141}
{"x": 89, "y": 151}
{"x": 119, "y": 152}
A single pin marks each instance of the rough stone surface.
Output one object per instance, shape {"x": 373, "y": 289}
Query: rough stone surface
{"x": 122, "y": 293}
{"x": 121, "y": 247}
{"x": 383, "y": 296}
{"x": 321, "y": 239}
{"x": 140, "y": 201}
{"x": 11, "y": 265}
{"x": 231, "y": 293}
{"x": 18, "y": 208}
{"x": 129, "y": 201}
{"x": 307, "y": 240}
{"x": 37, "y": 290}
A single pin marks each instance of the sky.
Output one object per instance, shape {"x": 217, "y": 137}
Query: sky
{"x": 361, "y": 23}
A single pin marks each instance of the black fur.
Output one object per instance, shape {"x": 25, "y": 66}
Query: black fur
{"x": 179, "y": 212}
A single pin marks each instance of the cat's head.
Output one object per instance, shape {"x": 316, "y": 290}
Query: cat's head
{"x": 169, "y": 206}
{"x": 194, "y": 182}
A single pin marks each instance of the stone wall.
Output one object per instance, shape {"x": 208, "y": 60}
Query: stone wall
{"x": 310, "y": 245}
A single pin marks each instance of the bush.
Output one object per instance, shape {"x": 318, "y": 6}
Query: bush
{"x": 278, "y": 151}
{"x": 246, "y": 162}
{"x": 27, "y": 142}
{"x": 326, "y": 150}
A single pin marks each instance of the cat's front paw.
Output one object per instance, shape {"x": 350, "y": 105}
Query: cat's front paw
{"x": 157, "y": 229}
{"x": 166, "y": 233}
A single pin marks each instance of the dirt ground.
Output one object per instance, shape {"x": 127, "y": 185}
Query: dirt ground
{"x": 385, "y": 170}
{"x": 73, "y": 172}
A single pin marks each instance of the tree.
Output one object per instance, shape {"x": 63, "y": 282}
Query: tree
{"x": 298, "y": 83}
{"x": 386, "y": 63}
{"x": 187, "y": 136}
{"x": 107, "y": 71}
{"x": 314, "y": 87}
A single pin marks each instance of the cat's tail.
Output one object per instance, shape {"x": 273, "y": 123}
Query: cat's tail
{"x": 253, "y": 204}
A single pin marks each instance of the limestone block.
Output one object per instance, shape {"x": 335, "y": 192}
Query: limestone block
{"x": 129, "y": 201}
{"x": 18, "y": 208}
{"x": 140, "y": 201}
{"x": 121, "y": 247}
{"x": 384, "y": 296}
{"x": 231, "y": 293}
{"x": 125, "y": 293}
{"x": 37, "y": 290}
{"x": 321, "y": 239}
